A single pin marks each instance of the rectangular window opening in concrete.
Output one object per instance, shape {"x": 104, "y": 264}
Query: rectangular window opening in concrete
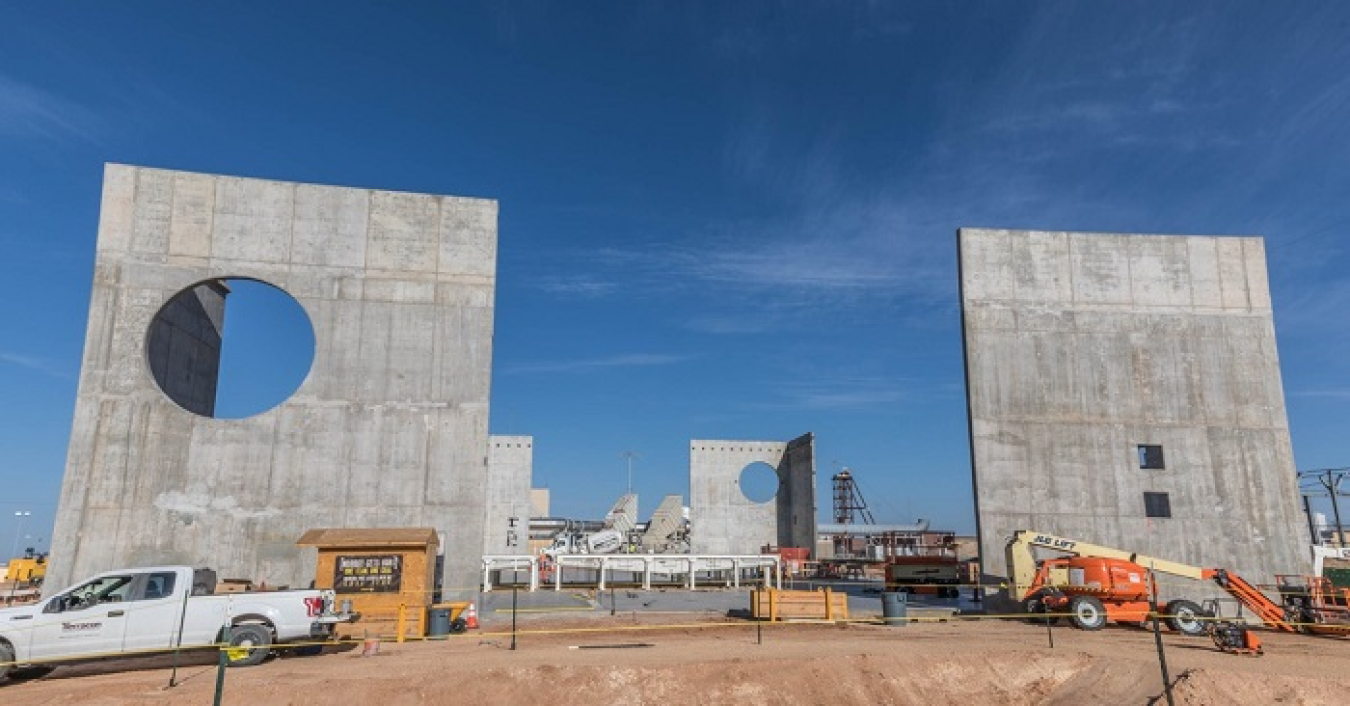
{"x": 1151, "y": 457}
{"x": 1157, "y": 505}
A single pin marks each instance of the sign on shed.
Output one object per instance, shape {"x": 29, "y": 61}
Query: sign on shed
{"x": 378, "y": 570}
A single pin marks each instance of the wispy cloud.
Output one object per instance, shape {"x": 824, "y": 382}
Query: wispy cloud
{"x": 836, "y": 394}
{"x": 846, "y": 245}
{"x": 1310, "y": 309}
{"x": 730, "y": 324}
{"x": 26, "y": 112}
{"x": 633, "y": 360}
{"x": 581, "y": 286}
{"x": 35, "y": 364}
{"x": 1336, "y": 393}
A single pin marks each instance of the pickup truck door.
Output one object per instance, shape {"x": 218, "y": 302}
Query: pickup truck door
{"x": 153, "y": 611}
{"x": 87, "y": 620}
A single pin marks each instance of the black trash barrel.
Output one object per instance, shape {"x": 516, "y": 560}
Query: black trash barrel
{"x": 438, "y": 622}
{"x": 894, "y": 609}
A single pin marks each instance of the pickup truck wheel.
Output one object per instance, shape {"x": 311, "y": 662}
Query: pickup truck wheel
{"x": 249, "y": 645}
{"x": 6, "y": 658}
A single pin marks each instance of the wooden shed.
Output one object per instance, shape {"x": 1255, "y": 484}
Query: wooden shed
{"x": 379, "y": 571}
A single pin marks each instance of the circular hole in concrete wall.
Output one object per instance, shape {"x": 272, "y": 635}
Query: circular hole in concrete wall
{"x": 230, "y": 348}
{"x": 759, "y": 482}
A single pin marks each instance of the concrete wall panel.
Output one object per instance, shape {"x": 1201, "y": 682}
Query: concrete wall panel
{"x": 468, "y": 243}
{"x": 510, "y": 472}
{"x": 252, "y": 220}
{"x": 194, "y": 201}
{"x": 367, "y": 439}
{"x": 330, "y": 227}
{"x": 1164, "y": 340}
{"x": 404, "y": 233}
{"x": 724, "y": 521}
{"x": 154, "y": 210}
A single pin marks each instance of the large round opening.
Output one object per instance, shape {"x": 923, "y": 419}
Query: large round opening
{"x": 230, "y": 348}
{"x": 759, "y": 482}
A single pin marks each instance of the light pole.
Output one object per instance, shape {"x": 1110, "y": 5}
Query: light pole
{"x": 19, "y": 516}
{"x": 630, "y": 455}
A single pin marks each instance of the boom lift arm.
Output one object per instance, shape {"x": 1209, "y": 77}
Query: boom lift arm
{"x": 1022, "y": 564}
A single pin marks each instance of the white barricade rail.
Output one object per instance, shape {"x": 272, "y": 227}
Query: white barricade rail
{"x": 687, "y": 566}
{"x": 510, "y": 563}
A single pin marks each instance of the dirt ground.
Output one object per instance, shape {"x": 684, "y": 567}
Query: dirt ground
{"x": 696, "y": 659}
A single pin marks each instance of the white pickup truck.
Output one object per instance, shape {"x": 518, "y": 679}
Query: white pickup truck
{"x": 142, "y": 611}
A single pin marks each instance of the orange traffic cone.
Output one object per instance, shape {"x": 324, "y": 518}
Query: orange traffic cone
{"x": 471, "y": 617}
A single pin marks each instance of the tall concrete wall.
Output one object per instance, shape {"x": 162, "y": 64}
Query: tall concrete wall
{"x": 510, "y": 470}
{"x": 1082, "y": 347}
{"x": 388, "y": 430}
{"x": 725, "y": 521}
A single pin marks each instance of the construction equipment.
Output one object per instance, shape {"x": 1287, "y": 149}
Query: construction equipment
{"x": 668, "y": 530}
{"x": 1313, "y": 605}
{"x": 1333, "y": 563}
{"x": 1097, "y": 584}
{"x": 924, "y": 564}
{"x": 1231, "y": 635}
{"x": 1235, "y": 637}
{"x": 933, "y": 575}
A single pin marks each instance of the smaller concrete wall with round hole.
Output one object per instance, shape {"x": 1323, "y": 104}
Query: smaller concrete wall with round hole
{"x": 725, "y": 521}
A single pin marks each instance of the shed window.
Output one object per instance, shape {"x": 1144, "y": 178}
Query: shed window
{"x": 1157, "y": 505}
{"x": 1151, "y": 457}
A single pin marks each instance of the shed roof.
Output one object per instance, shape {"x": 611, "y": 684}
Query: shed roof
{"x": 370, "y": 537}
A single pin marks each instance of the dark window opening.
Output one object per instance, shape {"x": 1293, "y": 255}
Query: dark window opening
{"x": 1151, "y": 457}
{"x": 1157, "y": 505}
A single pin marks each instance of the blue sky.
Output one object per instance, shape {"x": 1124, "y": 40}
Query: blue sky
{"x": 718, "y": 220}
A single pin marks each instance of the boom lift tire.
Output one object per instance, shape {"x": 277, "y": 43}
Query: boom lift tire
{"x": 1087, "y": 613}
{"x": 1186, "y": 618}
{"x": 1034, "y": 606}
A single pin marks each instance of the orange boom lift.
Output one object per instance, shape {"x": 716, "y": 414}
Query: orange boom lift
{"x": 1094, "y": 585}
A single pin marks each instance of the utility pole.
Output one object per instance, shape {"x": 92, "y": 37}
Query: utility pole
{"x": 20, "y": 515}
{"x": 1332, "y": 486}
{"x": 630, "y": 455}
